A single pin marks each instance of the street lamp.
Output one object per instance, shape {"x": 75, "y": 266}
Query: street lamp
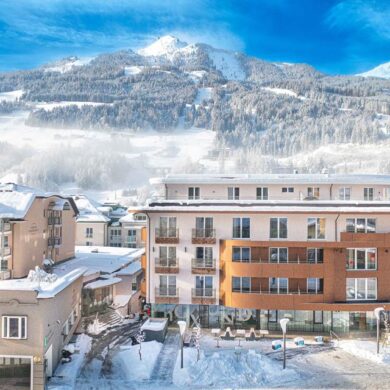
{"x": 377, "y": 313}
{"x": 283, "y": 324}
{"x": 182, "y": 328}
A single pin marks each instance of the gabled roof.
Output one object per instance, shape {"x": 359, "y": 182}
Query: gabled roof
{"x": 16, "y": 200}
{"x": 88, "y": 211}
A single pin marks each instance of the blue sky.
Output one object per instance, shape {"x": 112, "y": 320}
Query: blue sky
{"x": 335, "y": 36}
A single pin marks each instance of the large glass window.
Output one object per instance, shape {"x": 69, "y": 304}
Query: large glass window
{"x": 278, "y": 228}
{"x": 278, "y": 255}
{"x": 361, "y": 225}
{"x": 315, "y": 255}
{"x": 233, "y": 193}
{"x": 369, "y": 193}
{"x": 278, "y": 285}
{"x": 204, "y": 227}
{"x": 241, "y": 228}
{"x": 361, "y": 258}
{"x": 344, "y": 193}
{"x": 313, "y": 192}
{"x": 241, "y": 254}
{"x": 241, "y": 284}
{"x": 168, "y": 227}
{"x": 316, "y": 228}
{"x": 262, "y": 193}
{"x": 204, "y": 286}
{"x": 14, "y": 327}
{"x": 193, "y": 193}
{"x": 314, "y": 285}
{"x": 361, "y": 289}
{"x": 167, "y": 285}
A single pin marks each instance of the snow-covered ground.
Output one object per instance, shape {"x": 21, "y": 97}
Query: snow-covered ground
{"x": 11, "y": 96}
{"x": 51, "y": 106}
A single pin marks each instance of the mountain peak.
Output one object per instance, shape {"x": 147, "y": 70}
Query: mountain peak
{"x": 382, "y": 71}
{"x": 166, "y": 44}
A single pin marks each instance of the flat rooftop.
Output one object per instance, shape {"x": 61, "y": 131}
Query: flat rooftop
{"x": 293, "y": 178}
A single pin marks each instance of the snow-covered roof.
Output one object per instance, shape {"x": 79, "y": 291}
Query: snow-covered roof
{"x": 43, "y": 289}
{"x": 16, "y": 200}
{"x": 272, "y": 179}
{"x": 99, "y": 259}
{"x": 265, "y": 206}
{"x": 131, "y": 269}
{"x": 88, "y": 211}
{"x": 100, "y": 283}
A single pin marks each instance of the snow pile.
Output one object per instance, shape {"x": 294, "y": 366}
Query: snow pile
{"x": 382, "y": 71}
{"x": 133, "y": 70}
{"x": 242, "y": 367}
{"x": 39, "y": 275}
{"x": 365, "y": 349}
{"x": 66, "y": 374}
{"x": 281, "y": 91}
{"x": 227, "y": 63}
{"x": 132, "y": 367}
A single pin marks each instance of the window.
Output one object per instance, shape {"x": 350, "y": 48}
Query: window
{"x": 361, "y": 225}
{"x": 318, "y": 317}
{"x": 241, "y": 227}
{"x": 272, "y": 316}
{"x": 204, "y": 227}
{"x": 278, "y": 285}
{"x": 361, "y": 289}
{"x": 278, "y": 255}
{"x": 193, "y": 193}
{"x": 287, "y": 189}
{"x": 167, "y": 285}
{"x": 315, "y": 255}
{"x": 241, "y": 254}
{"x": 131, "y": 238}
{"x": 204, "y": 253}
{"x": 241, "y": 284}
{"x": 313, "y": 192}
{"x": 316, "y": 228}
{"x": 14, "y": 327}
{"x": 89, "y": 232}
{"x": 278, "y": 228}
{"x": 167, "y": 256}
{"x": 233, "y": 193}
{"x": 369, "y": 193}
{"x": 168, "y": 227}
{"x": 204, "y": 286}
{"x": 344, "y": 193}
{"x": 262, "y": 193}
{"x": 89, "y": 243}
{"x": 314, "y": 285}
{"x": 361, "y": 258}
{"x": 5, "y": 242}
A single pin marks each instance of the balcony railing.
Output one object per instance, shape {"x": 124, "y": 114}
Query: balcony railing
{"x": 164, "y": 265}
{"x": 203, "y": 236}
{"x": 54, "y": 241}
{"x": 167, "y": 294}
{"x": 203, "y": 265}
{"x": 203, "y": 296}
{"x": 280, "y": 292}
{"x": 167, "y": 236}
{"x": 297, "y": 260}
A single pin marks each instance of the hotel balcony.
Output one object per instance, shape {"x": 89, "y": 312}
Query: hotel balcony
{"x": 166, "y": 294}
{"x": 167, "y": 236}
{"x": 203, "y": 266}
{"x": 166, "y": 266}
{"x": 203, "y": 296}
{"x": 203, "y": 236}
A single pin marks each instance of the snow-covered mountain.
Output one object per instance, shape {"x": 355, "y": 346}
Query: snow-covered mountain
{"x": 279, "y": 108}
{"x": 382, "y": 71}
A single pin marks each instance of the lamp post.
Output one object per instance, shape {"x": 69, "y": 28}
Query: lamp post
{"x": 283, "y": 324}
{"x": 377, "y": 313}
{"x": 182, "y": 328}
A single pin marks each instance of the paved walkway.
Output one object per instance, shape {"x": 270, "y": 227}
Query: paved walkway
{"x": 163, "y": 370}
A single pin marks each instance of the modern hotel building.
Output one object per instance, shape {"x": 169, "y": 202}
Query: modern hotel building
{"x": 247, "y": 250}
